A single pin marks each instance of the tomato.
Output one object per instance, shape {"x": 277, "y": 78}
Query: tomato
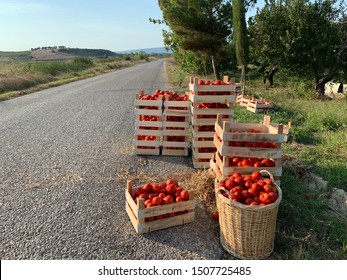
{"x": 229, "y": 184}
{"x": 215, "y": 215}
{"x": 269, "y": 188}
{"x": 162, "y": 195}
{"x": 156, "y": 200}
{"x": 236, "y": 189}
{"x": 254, "y": 203}
{"x": 268, "y": 181}
{"x": 168, "y": 199}
{"x": 253, "y": 192}
{"x": 256, "y": 187}
{"x": 236, "y": 196}
{"x": 245, "y": 194}
{"x": 261, "y": 183}
{"x": 248, "y": 201}
{"x": 273, "y": 197}
{"x": 256, "y": 175}
{"x": 249, "y": 183}
{"x": 178, "y": 199}
{"x": 148, "y": 188}
{"x": 247, "y": 178}
{"x": 156, "y": 188}
{"x": 143, "y": 196}
{"x": 264, "y": 198}
{"x": 171, "y": 188}
{"x": 237, "y": 174}
{"x": 239, "y": 181}
{"x": 185, "y": 194}
{"x": 138, "y": 191}
{"x": 246, "y": 163}
{"x": 170, "y": 182}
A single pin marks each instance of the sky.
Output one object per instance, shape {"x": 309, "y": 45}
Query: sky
{"x": 115, "y": 25}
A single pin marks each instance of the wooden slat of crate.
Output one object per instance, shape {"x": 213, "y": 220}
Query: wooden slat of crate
{"x": 255, "y": 104}
{"x": 175, "y": 132}
{"x": 198, "y": 155}
{"x": 202, "y": 134}
{"x": 154, "y": 152}
{"x": 200, "y": 165}
{"x": 202, "y": 144}
{"x": 139, "y": 123}
{"x": 180, "y": 104}
{"x": 193, "y": 86}
{"x": 225, "y": 169}
{"x": 168, "y": 152}
{"x": 137, "y": 212}
{"x": 231, "y": 98}
{"x": 269, "y": 133}
{"x": 148, "y": 112}
{"x": 175, "y": 144}
{"x": 209, "y": 121}
{"x": 212, "y": 111}
{"x": 157, "y": 103}
{"x": 225, "y": 150}
{"x": 148, "y": 132}
{"x": 137, "y": 143}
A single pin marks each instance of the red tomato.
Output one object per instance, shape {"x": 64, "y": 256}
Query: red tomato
{"x": 256, "y": 187}
{"x": 156, "y": 188}
{"x": 249, "y": 183}
{"x": 253, "y": 192}
{"x": 148, "y": 188}
{"x": 246, "y": 163}
{"x": 185, "y": 194}
{"x": 170, "y": 182}
{"x": 179, "y": 199}
{"x": 249, "y": 201}
{"x": 247, "y": 178}
{"x": 152, "y": 195}
{"x": 256, "y": 175}
{"x": 171, "y": 188}
{"x": 143, "y": 195}
{"x": 254, "y": 203}
{"x": 156, "y": 200}
{"x": 138, "y": 191}
{"x": 216, "y": 216}
{"x": 239, "y": 181}
{"x": 168, "y": 199}
{"x": 245, "y": 194}
{"x": 264, "y": 198}
{"x": 162, "y": 195}
{"x": 237, "y": 174}
{"x": 273, "y": 197}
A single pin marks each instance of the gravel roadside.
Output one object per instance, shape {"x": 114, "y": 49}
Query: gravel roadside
{"x": 61, "y": 152}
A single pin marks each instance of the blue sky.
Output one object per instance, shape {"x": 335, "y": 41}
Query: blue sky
{"x": 115, "y": 25}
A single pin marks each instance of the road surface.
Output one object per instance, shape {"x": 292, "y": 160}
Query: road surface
{"x": 62, "y": 151}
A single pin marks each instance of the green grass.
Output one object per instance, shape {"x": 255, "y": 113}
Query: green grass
{"x": 306, "y": 228}
{"x": 23, "y": 77}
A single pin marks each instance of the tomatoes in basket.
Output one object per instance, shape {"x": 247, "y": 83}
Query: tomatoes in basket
{"x": 251, "y": 189}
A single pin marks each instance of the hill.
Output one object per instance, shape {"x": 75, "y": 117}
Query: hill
{"x": 160, "y": 50}
{"x": 15, "y": 56}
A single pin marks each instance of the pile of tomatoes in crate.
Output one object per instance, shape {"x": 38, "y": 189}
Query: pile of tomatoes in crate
{"x": 251, "y": 162}
{"x": 161, "y": 194}
{"x": 206, "y": 128}
{"x": 212, "y": 105}
{"x": 251, "y": 189}
{"x": 270, "y": 145}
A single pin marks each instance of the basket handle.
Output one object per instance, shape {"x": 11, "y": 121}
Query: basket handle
{"x": 268, "y": 173}
{"x": 224, "y": 189}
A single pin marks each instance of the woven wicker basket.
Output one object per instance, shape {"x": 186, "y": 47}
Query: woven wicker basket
{"x": 247, "y": 232}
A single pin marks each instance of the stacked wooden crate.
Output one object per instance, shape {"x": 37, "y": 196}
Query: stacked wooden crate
{"x": 176, "y": 128}
{"x": 148, "y": 125}
{"x": 247, "y": 147}
{"x": 208, "y": 100}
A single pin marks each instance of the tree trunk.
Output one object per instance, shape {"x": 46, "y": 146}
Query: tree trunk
{"x": 270, "y": 76}
{"x": 215, "y": 68}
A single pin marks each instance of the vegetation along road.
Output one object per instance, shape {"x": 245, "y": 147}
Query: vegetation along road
{"x": 64, "y": 152}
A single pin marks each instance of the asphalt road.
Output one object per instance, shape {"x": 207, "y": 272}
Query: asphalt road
{"x": 61, "y": 152}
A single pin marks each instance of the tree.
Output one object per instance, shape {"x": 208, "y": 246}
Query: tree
{"x": 201, "y": 26}
{"x": 240, "y": 39}
{"x": 297, "y": 35}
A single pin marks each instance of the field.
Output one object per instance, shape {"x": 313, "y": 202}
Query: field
{"x": 20, "y": 74}
{"x": 315, "y": 162}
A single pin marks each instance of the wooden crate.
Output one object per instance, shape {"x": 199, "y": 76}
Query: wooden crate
{"x": 258, "y": 106}
{"x": 198, "y": 143}
{"x": 177, "y": 106}
{"x": 217, "y": 171}
{"x": 147, "y": 107}
{"x": 196, "y": 88}
{"x": 195, "y": 120}
{"x": 223, "y": 163}
{"x": 232, "y": 131}
{"x": 138, "y": 213}
{"x": 201, "y": 134}
{"x": 209, "y": 98}
{"x": 224, "y": 149}
{"x": 200, "y": 165}
{"x": 179, "y": 153}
